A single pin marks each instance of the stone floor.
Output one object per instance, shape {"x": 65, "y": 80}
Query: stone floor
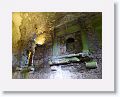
{"x": 69, "y": 71}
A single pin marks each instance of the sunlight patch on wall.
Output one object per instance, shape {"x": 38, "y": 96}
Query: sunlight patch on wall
{"x": 40, "y": 39}
{"x": 16, "y": 22}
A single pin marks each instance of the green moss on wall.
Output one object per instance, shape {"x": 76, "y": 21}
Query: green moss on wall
{"x": 69, "y": 30}
{"x": 84, "y": 42}
{"x": 97, "y": 24}
{"x": 55, "y": 49}
{"x": 72, "y": 29}
{"x": 99, "y": 32}
{"x": 60, "y": 33}
{"x": 97, "y": 21}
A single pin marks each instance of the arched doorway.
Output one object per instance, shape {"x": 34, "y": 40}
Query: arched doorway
{"x": 70, "y": 45}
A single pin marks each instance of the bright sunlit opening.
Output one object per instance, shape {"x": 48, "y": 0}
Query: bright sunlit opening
{"x": 40, "y": 39}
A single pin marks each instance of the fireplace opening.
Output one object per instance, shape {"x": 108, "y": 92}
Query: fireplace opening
{"x": 70, "y": 45}
{"x": 70, "y": 40}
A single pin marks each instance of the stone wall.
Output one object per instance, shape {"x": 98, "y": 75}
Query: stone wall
{"x": 42, "y": 54}
{"x": 84, "y": 39}
{"x": 95, "y": 48}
